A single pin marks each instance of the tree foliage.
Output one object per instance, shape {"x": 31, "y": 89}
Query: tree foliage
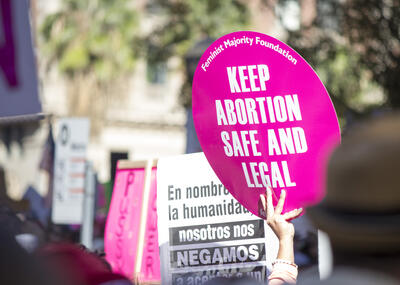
{"x": 184, "y": 22}
{"x": 187, "y": 22}
{"x": 353, "y": 45}
{"x": 92, "y": 36}
{"x": 373, "y": 29}
{"x": 92, "y": 42}
{"x": 327, "y": 47}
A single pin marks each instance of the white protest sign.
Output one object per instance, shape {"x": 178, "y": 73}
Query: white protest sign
{"x": 69, "y": 170}
{"x": 203, "y": 231}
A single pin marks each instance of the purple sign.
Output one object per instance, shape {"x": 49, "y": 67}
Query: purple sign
{"x": 18, "y": 76}
{"x": 263, "y": 118}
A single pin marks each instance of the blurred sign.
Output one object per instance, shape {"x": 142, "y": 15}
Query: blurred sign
{"x": 69, "y": 170}
{"x": 263, "y": 117}
{"x": 18, "y": 78}
{"x": 203, "y": 231}
{"x": 131, "y": 237}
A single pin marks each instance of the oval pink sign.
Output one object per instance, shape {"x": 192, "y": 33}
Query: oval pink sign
{"x": 263, "y": 117}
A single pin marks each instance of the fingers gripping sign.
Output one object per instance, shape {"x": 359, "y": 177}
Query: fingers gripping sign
{"x": 279, "y": 223}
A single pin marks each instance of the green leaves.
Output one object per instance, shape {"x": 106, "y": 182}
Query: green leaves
{"x": 185, "y": 22}
{"x": 75, "y": 57}
{"x": 92, "y": 36}
{"x": 101, "y": 36}
{"x": 326, "y": 45}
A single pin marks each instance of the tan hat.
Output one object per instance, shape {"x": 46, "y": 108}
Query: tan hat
{"x": 361, "y": 211}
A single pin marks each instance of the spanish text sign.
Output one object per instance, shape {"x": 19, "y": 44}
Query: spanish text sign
{"x": 203, "y": 231}
{"x": 263, "y": 117}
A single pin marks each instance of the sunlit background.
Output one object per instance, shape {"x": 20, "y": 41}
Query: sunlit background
{"x": 127, "y": 65}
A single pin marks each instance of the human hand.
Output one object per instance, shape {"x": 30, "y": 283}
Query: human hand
{"x": 280, "y": 224}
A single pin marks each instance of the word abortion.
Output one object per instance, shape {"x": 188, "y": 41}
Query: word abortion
{"x": 258, "y": 110}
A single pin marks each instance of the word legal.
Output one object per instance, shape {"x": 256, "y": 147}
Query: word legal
{"x": 261, "y": 175}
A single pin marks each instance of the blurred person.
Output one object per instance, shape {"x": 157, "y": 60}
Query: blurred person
{"x": 18, "y": 206}
{"x": 27, "y": 233}
{"x": 17, "y": 267}
{"x": 78, "y": 266}
{"x": 305, "y": 244}
{"x": 360, "y": 212}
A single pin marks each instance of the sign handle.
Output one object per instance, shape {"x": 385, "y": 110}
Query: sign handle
{"x": 143, "y": 219}
{"x": 88, "y": 207}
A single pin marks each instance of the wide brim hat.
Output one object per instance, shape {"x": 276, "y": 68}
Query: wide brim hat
{"x": 361, "y": 209}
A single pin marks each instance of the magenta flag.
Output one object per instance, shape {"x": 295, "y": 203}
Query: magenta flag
{"x": 131, "y": 240}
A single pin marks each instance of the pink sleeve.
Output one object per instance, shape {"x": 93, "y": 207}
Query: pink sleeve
{"x": 283, "y": 274}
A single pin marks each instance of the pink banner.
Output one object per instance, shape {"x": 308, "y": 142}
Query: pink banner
{"x": 122, "y": 233}
{"x": 150, "y": 269}
{"x": 263, "y": 118}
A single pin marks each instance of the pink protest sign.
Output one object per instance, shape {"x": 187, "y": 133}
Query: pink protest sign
{"x": 150, "y": 269}
{"x": 131, "y": 239}
{"x": 263, "y": 117}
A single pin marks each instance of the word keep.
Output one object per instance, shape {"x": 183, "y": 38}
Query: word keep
{"x": 251, "y": 78}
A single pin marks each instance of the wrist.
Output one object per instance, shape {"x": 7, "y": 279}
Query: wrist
{"x": 286, "y": 239}
{"x": 284, "y": 261}
{"x": 286, "y": 250}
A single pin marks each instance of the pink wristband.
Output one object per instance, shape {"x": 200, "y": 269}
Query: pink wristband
{"x": 282, "y": 261}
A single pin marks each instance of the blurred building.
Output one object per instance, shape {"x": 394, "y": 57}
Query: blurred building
{"x": 146, "y": 121}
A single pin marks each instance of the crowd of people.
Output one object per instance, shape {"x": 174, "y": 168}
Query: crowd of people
{"x": 360, "y": 214}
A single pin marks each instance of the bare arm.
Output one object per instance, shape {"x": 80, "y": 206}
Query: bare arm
{"x": 284, "y": 230}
